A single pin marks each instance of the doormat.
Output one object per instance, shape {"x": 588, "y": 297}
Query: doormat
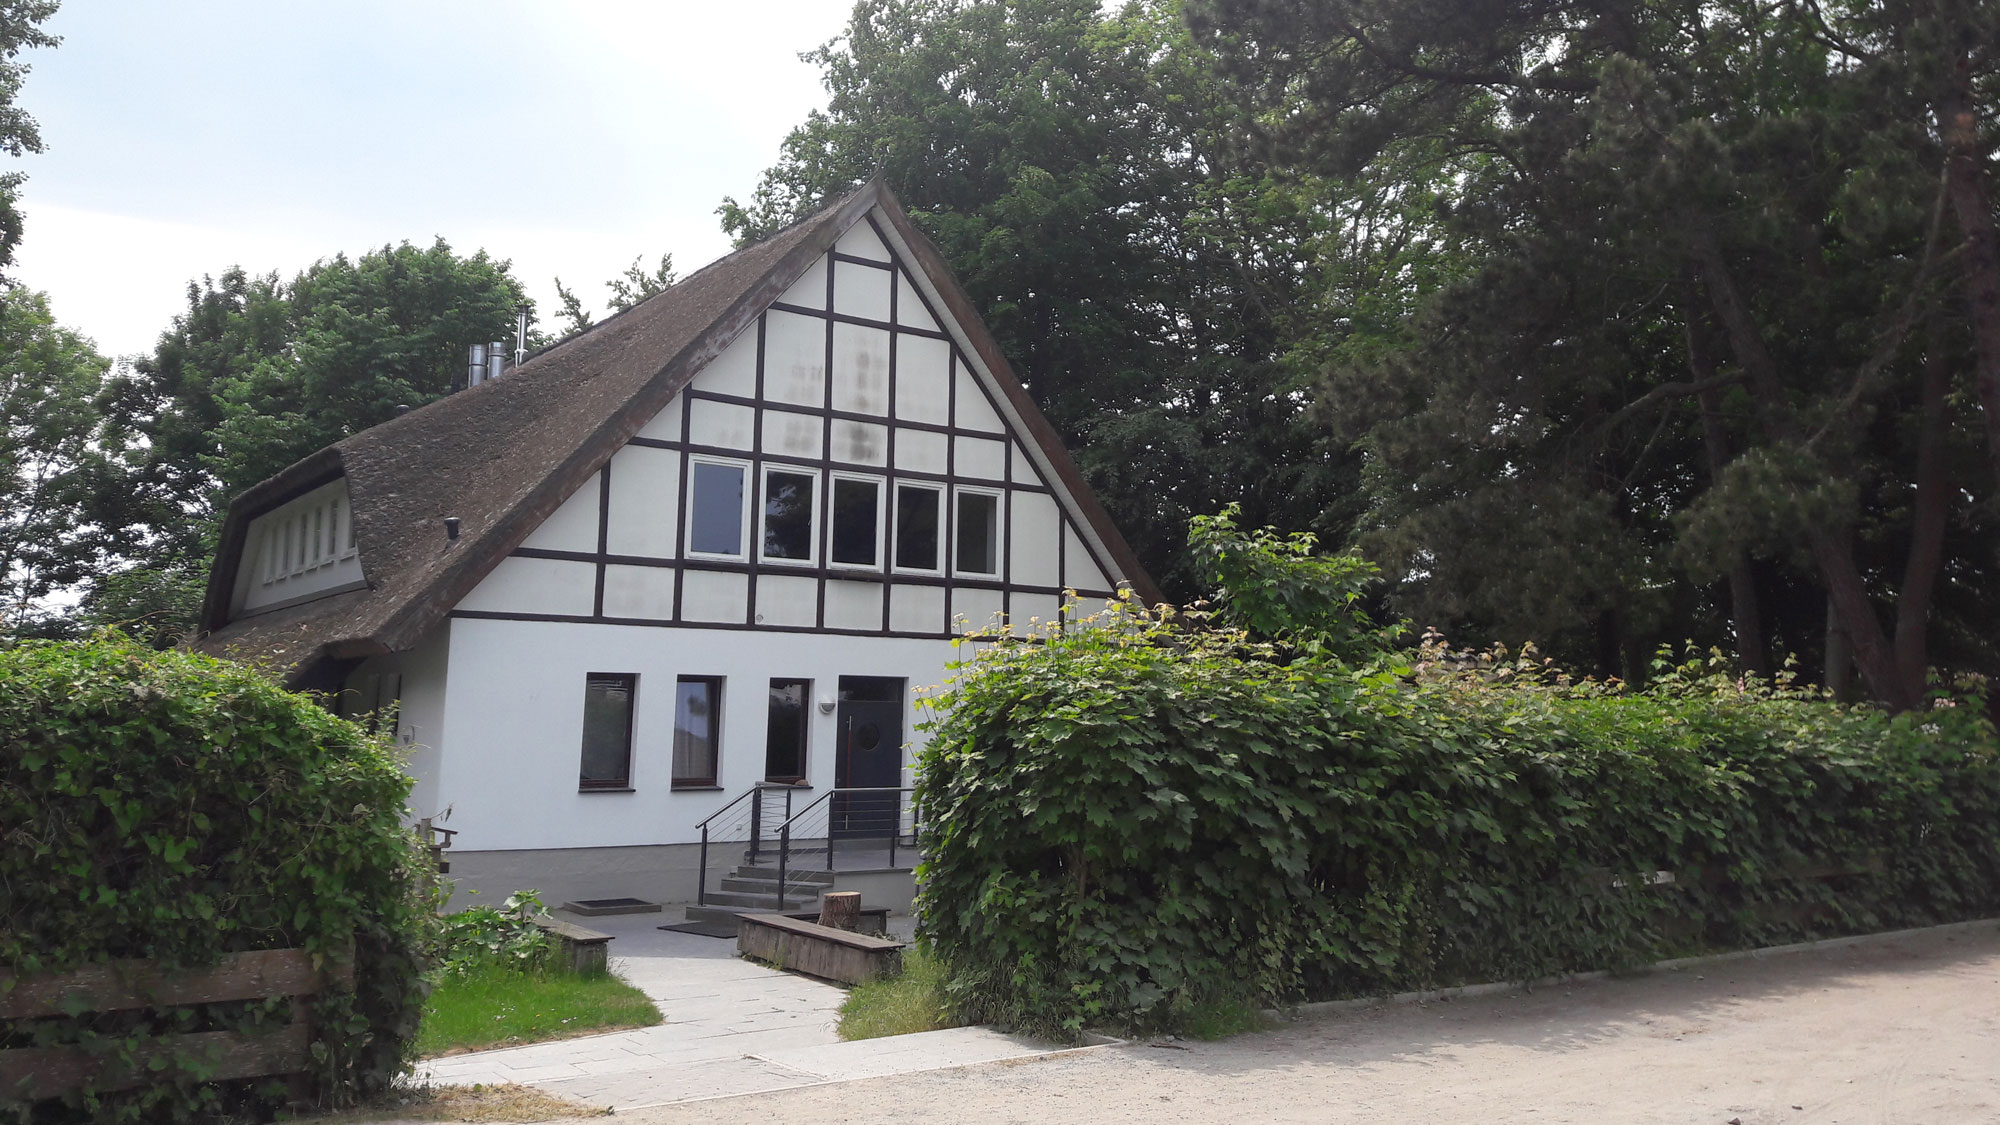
{"x": 589, "y": 907}
{"x": 706, "y": 928}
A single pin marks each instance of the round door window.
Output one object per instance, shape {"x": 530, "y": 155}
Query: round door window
{"x": 867, "y": 736}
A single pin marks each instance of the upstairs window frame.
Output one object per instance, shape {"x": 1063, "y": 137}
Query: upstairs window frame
{"x": 880, "y": 536}
{"x": 940, "y": 543}
{"x": 997, "y": 532}
{"x": 743, "y": 521}
{"x": 813, "y": 520}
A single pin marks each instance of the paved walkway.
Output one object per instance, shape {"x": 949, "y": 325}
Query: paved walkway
{"x": 732, "y": 1027}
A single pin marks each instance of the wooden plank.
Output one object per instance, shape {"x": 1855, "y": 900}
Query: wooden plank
{"x": 817, "y": 950}
{"x": 117, "y": 985}
{"x": 815, "y": 930}
{"x": 41, "y": 1072}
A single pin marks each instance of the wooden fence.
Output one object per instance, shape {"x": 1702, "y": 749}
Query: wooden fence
{"x": 29, "y": 1073}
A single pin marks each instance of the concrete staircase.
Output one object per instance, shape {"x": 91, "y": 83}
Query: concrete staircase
{"x": 755, "y": 887}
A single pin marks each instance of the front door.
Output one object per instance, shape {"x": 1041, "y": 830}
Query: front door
{"x": 868, "y": 754}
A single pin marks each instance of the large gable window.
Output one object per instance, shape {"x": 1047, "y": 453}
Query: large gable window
{"x": 917, "y": 527}
{"x": 607, "y": 731}
{"x": 790, "y": 516}
{"x": 857, "y": 522}
{"x": 978, "y": 539}
{"x": 716, "y": 502}
{"x": 697, "y": 731}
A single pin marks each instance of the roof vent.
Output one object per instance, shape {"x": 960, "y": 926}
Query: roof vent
{"x": 485, "y": 362}
{"x": 451, "y": 527}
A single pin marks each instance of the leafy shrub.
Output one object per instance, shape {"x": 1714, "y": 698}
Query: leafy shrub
{"x": 1137, "y": 822}
{"x": 174, "y": 807}
{"x": 493, "y": 937}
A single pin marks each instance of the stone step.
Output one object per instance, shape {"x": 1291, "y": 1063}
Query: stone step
{"x": 794, "y": 888}
{"x": 792, "y": 874}
{"x": 742, "y": 900}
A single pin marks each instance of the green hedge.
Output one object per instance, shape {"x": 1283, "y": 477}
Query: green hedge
{"x": 1132, "y": 821}
{"x": 175, "y": 807}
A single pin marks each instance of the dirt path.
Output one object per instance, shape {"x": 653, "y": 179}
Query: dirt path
{"x": 1903, "y": 1032}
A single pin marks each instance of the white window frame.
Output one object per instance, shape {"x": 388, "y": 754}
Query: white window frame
{"x": 999, "y": 496}
{"x": 882, "y": 520}
{"x": 813, "y": 513}
{"x": 744, "y": 524}
{"x": 943, "y": 494}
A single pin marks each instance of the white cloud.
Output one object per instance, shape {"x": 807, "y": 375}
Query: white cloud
{"x": 184, "y": 139}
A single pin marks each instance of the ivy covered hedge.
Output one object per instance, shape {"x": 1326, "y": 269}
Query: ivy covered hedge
{"x": 174, "y": 807}
{"x": 1131, "y": 821}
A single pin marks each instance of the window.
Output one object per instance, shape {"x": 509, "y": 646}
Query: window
{"x": 715, "y": 508}
{"x": 917, "y": 527}
{"x": 607, "y": 731}
{"x": 978, "y": 542}
{"x": 697, "y": 730}
{"x": 790, "y": 526}
{"x": 785, "y": 742}
{"x": 857, "y": 522}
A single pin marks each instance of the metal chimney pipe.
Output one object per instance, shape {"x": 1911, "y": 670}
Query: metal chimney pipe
{"x": 496, "y": 359}
{"x": 475, "y": 365}
{"x": 520, "y": 335}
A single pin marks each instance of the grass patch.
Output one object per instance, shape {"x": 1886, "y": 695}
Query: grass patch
{"x": 1222, "y": 1017}
{"x": 497, "y": 1006}
{"x": 899, "y": 1005}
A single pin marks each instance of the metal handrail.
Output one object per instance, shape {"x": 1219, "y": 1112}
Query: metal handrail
{"x": 755, "y": 795}
{"x": 785, "y": 831}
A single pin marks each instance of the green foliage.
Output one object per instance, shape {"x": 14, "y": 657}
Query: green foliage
{"x": 1693, "y": 286}
{"x": 907, "y": 1003}
{"x": 174, "y": 807}
{"x": 493, "y": 937}
{"x": 259, "y": 372}
{"x": 52, "y": 455}
{"x": 1276, "y": 589}
{"x": 19, "y": 29}
{"x": 1071, "y": 162}
{"x": 1138, "y": 824}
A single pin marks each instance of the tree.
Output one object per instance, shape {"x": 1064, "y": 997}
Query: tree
{"x": 256, "y": 374}
{"x": 627, "y": 289}
{"x": 1710, "y": 329}
{"x": 20, "y": 29}
{"x": 52, "y": 451}
{"x": 1071, "y": 165}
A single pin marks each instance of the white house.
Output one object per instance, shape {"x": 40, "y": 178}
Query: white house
{"x": 711, "y": 544}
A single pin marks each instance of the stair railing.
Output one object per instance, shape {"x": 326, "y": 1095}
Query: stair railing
{"x": 826, "y": 801}
{"x": 723, "y": 824}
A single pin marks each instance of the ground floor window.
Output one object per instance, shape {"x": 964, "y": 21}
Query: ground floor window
{"x": 607, "y": 730}
{"x": 697, "y": 730}
{"x": 785, "y": 742}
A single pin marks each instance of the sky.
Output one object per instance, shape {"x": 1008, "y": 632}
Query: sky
{"x": 569, "y": 138}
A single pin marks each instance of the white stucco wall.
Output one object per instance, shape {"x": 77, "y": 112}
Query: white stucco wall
{"x": 419, "y": 676}
{"x": 514, "y": 717}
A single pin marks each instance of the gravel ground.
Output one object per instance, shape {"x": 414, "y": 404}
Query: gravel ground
{"x": 1902, "y": 1031}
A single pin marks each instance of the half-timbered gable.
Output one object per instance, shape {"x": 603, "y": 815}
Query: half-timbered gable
{"x": 844, "y": 465}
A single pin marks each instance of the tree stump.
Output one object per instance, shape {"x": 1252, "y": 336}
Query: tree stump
{"x": 840, "y": 910}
